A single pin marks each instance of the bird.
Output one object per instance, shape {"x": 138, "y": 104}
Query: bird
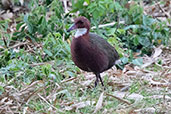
{"x": 89, "y": 51}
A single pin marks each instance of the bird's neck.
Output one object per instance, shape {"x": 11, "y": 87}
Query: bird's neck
{"x": 80, "y": 32}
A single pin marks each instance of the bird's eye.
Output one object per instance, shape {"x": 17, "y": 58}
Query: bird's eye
{"x": 80, "y": 22}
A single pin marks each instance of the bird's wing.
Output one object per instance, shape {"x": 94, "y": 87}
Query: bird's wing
{"x": 106, "y": 47}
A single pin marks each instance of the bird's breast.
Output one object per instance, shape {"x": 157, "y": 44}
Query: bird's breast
{"x": 87, "y": 56}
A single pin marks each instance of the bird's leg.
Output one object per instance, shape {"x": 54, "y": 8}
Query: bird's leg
{"x": 98, "y": 76}
{"x": 97, "y": 80}
{"x": 100, "y": 79}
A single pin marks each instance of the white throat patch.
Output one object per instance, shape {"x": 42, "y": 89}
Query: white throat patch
{"x": 80, "y": 32}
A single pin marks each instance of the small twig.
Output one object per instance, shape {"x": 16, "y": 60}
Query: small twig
{"x": 67, "y": 80}
{"x": 167, "y": 15}
{"x": 159, "y": 15}
{"x": 106, "y": 25}
{"x": 58, "y": 110}
{"x": 159, "y": 84}
{"x": 65, "y": 6}
{"x": 31, "y": 85}
{"x": 40, "y": 64}
{"x": 17, "y": 45}
{"x": 122, "y": 100}
{"x": 35, "y": 92}
{"x": 62, "y": 70}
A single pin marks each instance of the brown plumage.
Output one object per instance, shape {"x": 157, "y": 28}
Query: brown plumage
{"x": 89, "y": 51}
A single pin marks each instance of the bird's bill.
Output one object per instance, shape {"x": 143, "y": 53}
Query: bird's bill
{"x": 72, "y": 27}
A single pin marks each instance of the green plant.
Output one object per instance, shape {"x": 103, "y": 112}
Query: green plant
{"x": 144, "y": 32}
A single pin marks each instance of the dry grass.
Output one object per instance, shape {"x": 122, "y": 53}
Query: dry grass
{"x": 133, "y": 90}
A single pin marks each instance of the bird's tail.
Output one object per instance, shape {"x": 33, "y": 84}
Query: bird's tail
{"x": 119, "y": 64}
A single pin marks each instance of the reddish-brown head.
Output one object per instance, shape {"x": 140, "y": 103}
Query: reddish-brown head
{"x": 80, "y": 23}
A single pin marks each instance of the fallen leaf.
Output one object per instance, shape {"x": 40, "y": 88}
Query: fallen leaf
{"x": 3, "y": 100}
{"x": 79, "y": 105}
{"x": 133, "y": 96}
{"x": 99, "y": 103}
{"x": 149, "y": 110}
{"x": 86, "y": 83}
{"x": 131, "y": 72}
{"x": 147, "y": 64}
{"x": 7, "y": 15}
{"x": 89, "y": 76}
{"x": 136, "y": 97}
{"x": 157, "y": 52}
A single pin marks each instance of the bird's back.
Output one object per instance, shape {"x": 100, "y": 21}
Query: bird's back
{"x": 103, "y": 45}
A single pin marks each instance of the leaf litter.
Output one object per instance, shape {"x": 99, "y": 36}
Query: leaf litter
{"x": 13, "y": 99}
